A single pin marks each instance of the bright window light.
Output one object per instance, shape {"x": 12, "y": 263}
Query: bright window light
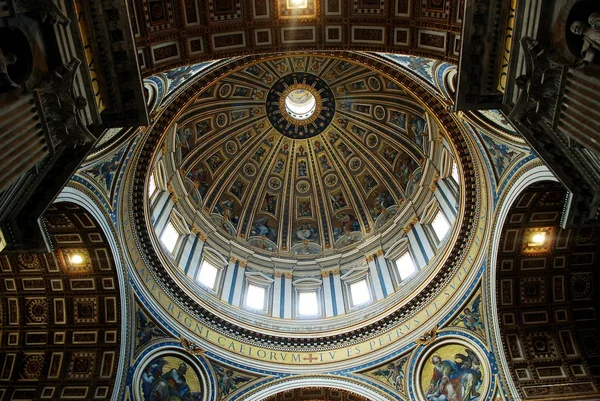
{"x": 455, "y": 175}
{"x": 169, "y": 237}
{"x": 151, "y": 185}
{"x": 405, "y": 265}
{"x": 440, "y": 225}
{"x": 255, "y": 297}
{"x": 307, "y": 303}
{"x": 537, "y": 239}
{"x": 360, "y": 292}
{"x": 208, "y": 275}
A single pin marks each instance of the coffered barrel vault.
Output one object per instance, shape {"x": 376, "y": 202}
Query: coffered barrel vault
{"x": 167, "y": 35}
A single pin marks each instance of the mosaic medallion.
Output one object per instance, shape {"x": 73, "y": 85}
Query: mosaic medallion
{"x": 454, "y": 371}
{"x": 300, "y": 105}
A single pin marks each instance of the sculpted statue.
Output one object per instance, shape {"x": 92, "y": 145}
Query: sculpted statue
{"x": 591, "y": 38}
{"x": 6, "y": 84}
{"x": 46, "y": 10}
{"x": 594, "y": 21}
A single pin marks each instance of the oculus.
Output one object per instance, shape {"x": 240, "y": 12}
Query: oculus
{"x": 300, "y": 105}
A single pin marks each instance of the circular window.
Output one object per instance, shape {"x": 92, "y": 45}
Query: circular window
{"x": 300, "y": 104}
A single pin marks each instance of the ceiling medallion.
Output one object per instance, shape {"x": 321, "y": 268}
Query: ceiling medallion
{"x": 300, "y": 105}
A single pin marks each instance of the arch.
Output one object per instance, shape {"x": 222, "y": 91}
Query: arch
{"x": 333, "y": 382}
{"x": 531, "y": 176}
{"x": 544, "y": 318}
{"x": 80, "y": 198}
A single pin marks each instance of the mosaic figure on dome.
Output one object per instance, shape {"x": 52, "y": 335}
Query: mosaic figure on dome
{"x": 304, "y": 208}
{"x": 262, "y": 228}
{"x": 405, "y": 168}
{"x": 417, "y": 129}
{"x": 344, "y": 149}
{"x": 306, "y": 232}
{"x": 244, "y": 138}
{"x": 170, "y": 379}
{"x": 302, "y": 168}
{"x": 390, "y": 154}
{"x": 270, "y": 203}
{"x": 279, "y": 166}
{"x": 338, "y": 201}
{"x": 383, "y": 200}
{"x": 237, "y": 188}
{"x": 226, "y": 208}
{"x": 360, "y": 85}
{"x": 398, "y": 119}
{"x": 346, "y": 223}
{"x": 457, "y": 378}
{"x": 199, "y": 177}
{"x": 359, "y": 131}
{"x": 591, "y": 38}
{"x": 202, "y": 128}
{"x": 324, "y": 163}
{"x": 186, "y": 140}
{"x": 215, "y": 161}
{"x": 368, "y": 182}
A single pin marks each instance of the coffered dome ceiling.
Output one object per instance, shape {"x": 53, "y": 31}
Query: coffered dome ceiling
{"x": 301, "y": 156}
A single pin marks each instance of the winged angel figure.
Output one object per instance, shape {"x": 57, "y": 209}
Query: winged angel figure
{"x": 471, "y": 317}
{"x": 393, "y": 374}
{"x": 228, "y": 379}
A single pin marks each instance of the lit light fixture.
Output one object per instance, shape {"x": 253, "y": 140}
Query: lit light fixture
{"x": 297, "y": 4}
{"x": 538, "y": 239}
{"x": 76, "y": 259}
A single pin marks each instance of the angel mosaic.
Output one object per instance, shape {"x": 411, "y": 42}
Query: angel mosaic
{"x": 392, "y": 373}
{"x": 146, "y": 329}
{"x": 471, "y": 317}
{"x": 229, "y": 380}
{"x": 105, "y": 171}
